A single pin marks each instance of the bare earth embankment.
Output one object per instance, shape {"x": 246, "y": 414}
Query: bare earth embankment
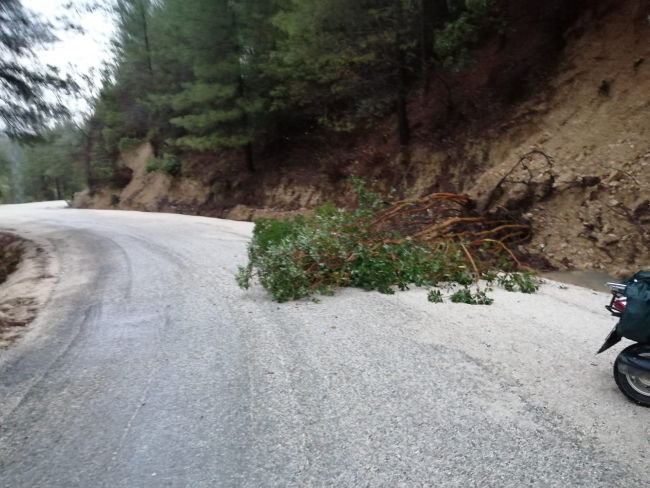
{"x": 29, "y": 274}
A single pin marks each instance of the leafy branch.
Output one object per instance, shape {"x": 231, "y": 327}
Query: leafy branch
{"x": 420, "y": 242}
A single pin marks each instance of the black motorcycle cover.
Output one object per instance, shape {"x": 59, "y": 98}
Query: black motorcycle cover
{"x": 635, "y": 322}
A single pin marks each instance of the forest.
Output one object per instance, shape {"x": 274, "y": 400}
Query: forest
{"x": 243, "y": 79}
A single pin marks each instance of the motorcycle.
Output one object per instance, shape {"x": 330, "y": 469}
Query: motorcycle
{"x": 632, "y": 366}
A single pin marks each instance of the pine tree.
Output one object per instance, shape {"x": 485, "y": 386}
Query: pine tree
{"x": 233, "y": 76}
{"x": 354, "y": 59}
{"x": 43, "y": 171}
{"x": 25, "y": 106}
{"x": 128, "y": 87}
{"x": 224, "y": 107}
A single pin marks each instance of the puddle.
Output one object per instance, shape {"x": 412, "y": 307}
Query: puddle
{"x": 594, "y": 280}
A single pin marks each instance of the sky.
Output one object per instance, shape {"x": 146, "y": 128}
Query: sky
{"x": 83, "y": 51}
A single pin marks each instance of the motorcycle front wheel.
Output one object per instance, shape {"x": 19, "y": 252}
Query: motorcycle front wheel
{"x": 635, "y": 388}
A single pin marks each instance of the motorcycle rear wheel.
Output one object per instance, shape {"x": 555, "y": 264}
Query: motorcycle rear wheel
{"x": 636, "y": 389}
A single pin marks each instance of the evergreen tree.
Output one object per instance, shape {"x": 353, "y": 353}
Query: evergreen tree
{"x": 25, "y": 106}
{"x": 225, "y": 106}
{"x": 44, "y": 171}
{"x": 353, "y": 58}
{"x": 129, "y": 85}
{"x": 227, "y": 76}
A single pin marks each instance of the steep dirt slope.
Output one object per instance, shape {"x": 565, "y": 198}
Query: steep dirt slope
{"x": 594, "y": 121}
{"x": 589, "y": 204}
{"x": 188, "y": 194}
{"x": 148, "y": 192}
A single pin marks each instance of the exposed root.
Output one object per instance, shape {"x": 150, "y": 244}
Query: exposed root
{"x": 451, "y": 220}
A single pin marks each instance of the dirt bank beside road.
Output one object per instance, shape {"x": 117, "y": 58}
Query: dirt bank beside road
{"x": 27, "y": 287}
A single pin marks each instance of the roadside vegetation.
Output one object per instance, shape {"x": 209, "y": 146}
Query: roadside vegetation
{"x": 238, "y": 85}
{"x": 435, "y": 242}
{"x": 243, "y": 76}
{"x": 238, "y": 80}
{"x": 40, "y": 148}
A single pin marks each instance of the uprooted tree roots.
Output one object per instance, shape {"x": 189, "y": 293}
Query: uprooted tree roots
{"x": 438, "y": 241}
{"x": 448, "y": 220}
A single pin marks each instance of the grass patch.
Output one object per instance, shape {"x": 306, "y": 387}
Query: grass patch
{"x": 168, "y": 164}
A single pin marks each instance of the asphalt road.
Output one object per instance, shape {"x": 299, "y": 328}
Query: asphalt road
{"x": 148, "y": 367}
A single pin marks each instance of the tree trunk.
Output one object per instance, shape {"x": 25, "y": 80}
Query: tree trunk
{"x": 403, "y": 121}
{"x": 250, "y": 162}
{"x": 434, "y": 14}
{"x": 241, "y": 91}
{"x": 248, "y": 148}
{"x": 145, "y": 34}
{"x": 88, "y": 162}
{"x": 57, "y": 188}
{"x": 43, "y": 192}
{"x": 401, "y": 92}
{"x": 64, "y": 190}
{"x": 424, "y": 49}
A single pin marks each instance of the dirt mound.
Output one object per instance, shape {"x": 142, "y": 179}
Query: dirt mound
{"x": 147, "y": 192}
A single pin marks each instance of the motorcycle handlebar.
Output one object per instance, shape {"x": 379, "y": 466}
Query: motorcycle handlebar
{"x": 616, "y": 286}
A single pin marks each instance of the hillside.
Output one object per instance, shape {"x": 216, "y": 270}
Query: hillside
{"x": 593, "y": 120}
{"x": 586, "y": 109}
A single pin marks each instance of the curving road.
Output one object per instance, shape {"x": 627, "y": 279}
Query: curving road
{"x": 148, "y": 367}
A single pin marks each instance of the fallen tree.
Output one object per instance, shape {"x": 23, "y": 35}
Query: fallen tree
{"x": 439, "y": 241}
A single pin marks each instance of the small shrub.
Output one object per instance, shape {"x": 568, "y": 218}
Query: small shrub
{"x": 152, "y": 165}
{"x": 109, "y": 137}
{"x": 168, "y": 164}
{"x": 435, "y": 296}
{"x": 522, "y": 282}
{"x": 128, "y": 143}
{"x": 101, "y": 164}
{"x": 465, "y": 295}
{"x": 455, "y": 42}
